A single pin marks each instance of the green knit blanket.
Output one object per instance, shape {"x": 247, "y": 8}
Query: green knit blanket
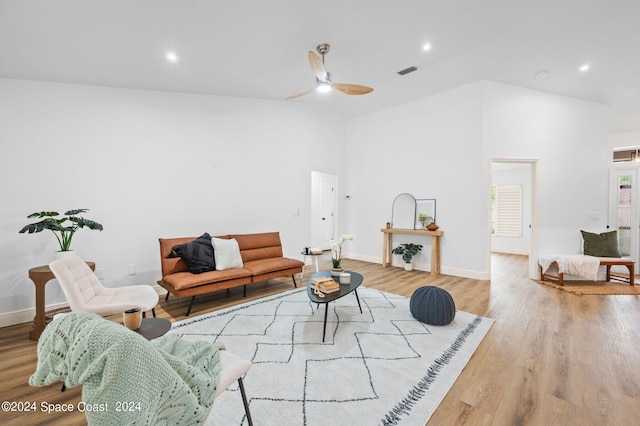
{"x": 127, "y": 379}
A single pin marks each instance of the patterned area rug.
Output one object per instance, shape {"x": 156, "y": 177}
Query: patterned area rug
{"x": 378, "y": 367}
{"x": 594, "y": 287}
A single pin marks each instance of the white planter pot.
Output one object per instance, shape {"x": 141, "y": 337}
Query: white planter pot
{"x": 61, "y": 254}
{"x": 408, "y": 266}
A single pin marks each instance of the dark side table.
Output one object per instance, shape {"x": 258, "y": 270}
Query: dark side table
{"x": 40, "y": 276}
{"x": 152, "y": 328}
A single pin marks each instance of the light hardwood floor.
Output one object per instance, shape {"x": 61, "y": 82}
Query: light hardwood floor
{"x": 551, "y": 358}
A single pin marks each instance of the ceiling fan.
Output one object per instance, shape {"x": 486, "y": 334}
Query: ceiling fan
{"x": 323, "y": 78}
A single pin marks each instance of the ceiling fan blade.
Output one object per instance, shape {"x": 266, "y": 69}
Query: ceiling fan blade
{"x": 352, "y": 89}
{"x": 297, "y": 95}
{"x": 317, "y": 66}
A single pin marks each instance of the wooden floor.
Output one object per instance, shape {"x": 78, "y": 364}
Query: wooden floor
{"x": 551, "y": 358}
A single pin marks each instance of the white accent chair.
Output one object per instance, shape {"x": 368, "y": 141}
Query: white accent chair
{"x": 85, "y": 292}
{"x": 232, "y": 369}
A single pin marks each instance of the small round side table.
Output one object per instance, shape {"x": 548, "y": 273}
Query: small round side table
{"x": 152, "y": 328}
{"x": 313, "y": 256}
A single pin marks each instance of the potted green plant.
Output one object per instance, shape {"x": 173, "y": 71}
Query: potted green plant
{"x": 63, "y": 227}
{"x": 424, "y": 219}
{"x": 408, "y": 250}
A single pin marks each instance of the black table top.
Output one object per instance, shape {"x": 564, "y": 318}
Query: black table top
{"x": 356, "y": 280}
{"x": 152, "y": 328}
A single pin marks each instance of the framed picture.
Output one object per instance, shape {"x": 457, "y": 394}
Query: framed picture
{"x": 425, "y": 207}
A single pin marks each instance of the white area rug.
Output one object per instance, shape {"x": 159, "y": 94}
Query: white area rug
{"x": 378, "y": 367}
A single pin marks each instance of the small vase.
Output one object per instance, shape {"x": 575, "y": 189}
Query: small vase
{"x": 335, "y": 272}
{"x": 432, "y": 226}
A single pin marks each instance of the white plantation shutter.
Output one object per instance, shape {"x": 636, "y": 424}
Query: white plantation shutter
{"x": 508, "y": 210}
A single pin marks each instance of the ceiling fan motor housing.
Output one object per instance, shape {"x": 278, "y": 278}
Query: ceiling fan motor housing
{"x": 323, "y": 49}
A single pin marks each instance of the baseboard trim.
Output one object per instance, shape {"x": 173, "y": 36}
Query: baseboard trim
{"x": 22, "y": 316}
{"x": 510, "y": 251}
{"x": 26, "y": 315}
{"x": 456, "y": 272}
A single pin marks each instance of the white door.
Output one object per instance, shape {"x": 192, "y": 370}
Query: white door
{"x": 623, "y": 209}
{"x": 324, "y": 209}
{"x": 328, "y": 223}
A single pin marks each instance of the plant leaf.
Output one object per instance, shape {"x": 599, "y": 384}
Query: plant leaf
{"x": 82, "y": 222}
{"x": 75, "y": 212}
{"x": 43, "y": 214}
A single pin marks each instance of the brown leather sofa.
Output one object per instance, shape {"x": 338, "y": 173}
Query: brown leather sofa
{"x": 261, "y": 255}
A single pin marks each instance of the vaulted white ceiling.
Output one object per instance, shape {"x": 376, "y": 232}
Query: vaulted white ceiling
{"x": 257, "y": 48}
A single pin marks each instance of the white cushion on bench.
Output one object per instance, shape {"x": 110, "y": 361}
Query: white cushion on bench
{"x": 574, "y": 264}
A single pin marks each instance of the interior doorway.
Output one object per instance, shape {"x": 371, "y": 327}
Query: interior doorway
{"x": 324, "y": 209}
{"x": 623, "y": 209}
{"x": 518, "y": 174}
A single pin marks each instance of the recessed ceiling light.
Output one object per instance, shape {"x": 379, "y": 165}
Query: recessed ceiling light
{"x": 426, "y": 47}
{"x": 172, "y": 57}
{"x": 584, "y": 67}
{"x": 541, "y": 75}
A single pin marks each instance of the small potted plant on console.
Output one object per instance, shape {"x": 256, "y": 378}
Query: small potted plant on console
{"x": 408, "y": 250}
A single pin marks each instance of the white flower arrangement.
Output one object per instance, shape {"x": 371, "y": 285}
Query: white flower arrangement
{"x": 336, "y": 249}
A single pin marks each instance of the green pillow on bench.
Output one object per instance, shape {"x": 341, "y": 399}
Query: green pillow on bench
{"x": 601, "y": 245}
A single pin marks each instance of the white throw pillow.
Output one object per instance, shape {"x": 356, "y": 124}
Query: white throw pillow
{"x": 226, "y": 253}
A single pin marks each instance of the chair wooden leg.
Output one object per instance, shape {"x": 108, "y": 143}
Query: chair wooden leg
{"x": 294, "y": 281}
{"x": 144, "y": 314}
{"x": 153, "y": 311}
{"x": 245, "y": 402}
{"x": 167, "y": 296}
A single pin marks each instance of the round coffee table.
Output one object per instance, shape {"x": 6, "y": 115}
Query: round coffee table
{"x": 355, "y": 281}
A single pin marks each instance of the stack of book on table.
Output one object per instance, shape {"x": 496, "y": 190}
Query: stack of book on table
{"x": 325, "y": 285}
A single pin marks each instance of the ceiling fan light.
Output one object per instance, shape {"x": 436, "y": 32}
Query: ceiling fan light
{"x": 323, "y": 87}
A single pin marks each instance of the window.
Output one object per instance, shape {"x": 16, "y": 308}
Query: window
{"x": 626, "y": 154}
{"x": 506, "y": 210}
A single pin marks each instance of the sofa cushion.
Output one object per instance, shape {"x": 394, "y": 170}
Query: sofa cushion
{"x": 227, "y": 254}
{"x": 601, "y": 245}
{"x": 184, "y": 280}
{"x": 197, "y": 254}
{"x": 259, "y": 246}
{"x": 265, "y": 266}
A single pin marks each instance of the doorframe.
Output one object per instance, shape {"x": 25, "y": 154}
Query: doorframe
{"x": 534, "y": 271}
{"x": 634, "y": 169}
{"x": 316, "y": 205}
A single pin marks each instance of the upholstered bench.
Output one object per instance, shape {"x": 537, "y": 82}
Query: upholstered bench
{"x": 598, "y": 250}
{"x": 562, "y": 264}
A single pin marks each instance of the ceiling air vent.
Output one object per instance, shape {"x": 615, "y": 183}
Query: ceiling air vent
{"x": 407, "y": 70}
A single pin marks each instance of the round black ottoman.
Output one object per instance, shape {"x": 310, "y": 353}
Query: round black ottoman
{"x": 432, "y": 305}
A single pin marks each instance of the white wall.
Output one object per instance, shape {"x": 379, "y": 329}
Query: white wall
{"x": 569, "y": 137}
{"x": 149, "y": 165}
{"x": 441, "y": 147}
{"x": 621, "y": 140}
{"x": 429, "y": 148}
{"x": 143, "y": 162}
